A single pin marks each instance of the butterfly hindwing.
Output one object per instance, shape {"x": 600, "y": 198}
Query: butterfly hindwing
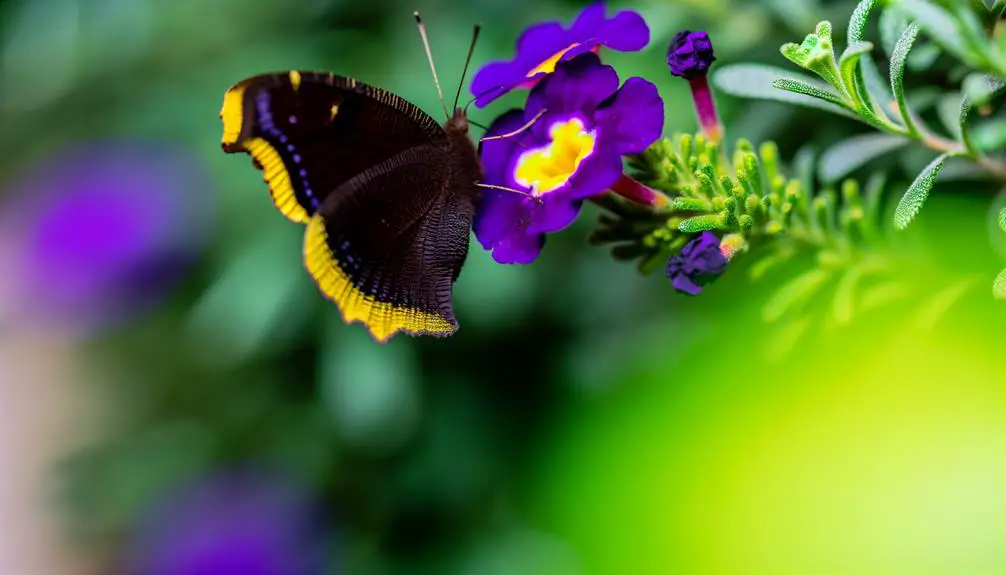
{"x": 310, "y": 132}
{"x": 387, "y": 245}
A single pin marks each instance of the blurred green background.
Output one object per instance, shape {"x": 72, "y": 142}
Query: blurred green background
{"x": 583, "y": 420}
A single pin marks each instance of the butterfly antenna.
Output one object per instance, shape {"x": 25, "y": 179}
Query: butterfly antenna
{"x": 468, "y": 60}
{"x": 536, "y": 199}
{"x": 429, "y": 56}
{"x": 489, "y": 91}
{"x": 518, "y": 130}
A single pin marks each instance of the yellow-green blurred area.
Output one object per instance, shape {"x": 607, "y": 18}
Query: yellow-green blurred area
{"x": 584, "y": 420}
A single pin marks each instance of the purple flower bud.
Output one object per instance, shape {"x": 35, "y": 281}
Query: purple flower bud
{"x": 690, "y": 54}
{"x": 698, "y": 264}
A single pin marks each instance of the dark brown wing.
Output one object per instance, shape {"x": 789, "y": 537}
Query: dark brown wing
{"x": 387, "y": 245}
{"x": 310, "y": 132}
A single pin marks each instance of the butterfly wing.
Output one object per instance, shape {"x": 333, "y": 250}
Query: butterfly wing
{"x": 310, "y": 132}
{"x": 388, "y": 244}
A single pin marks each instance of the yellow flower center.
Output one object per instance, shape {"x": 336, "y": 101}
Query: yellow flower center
{"x": 549, "y": 167}
{"x": 548, "y": 66}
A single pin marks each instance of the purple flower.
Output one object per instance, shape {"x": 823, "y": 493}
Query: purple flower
{"x": 690, "y": 54}
{"x": 104, "y": 231}
{"x": 581, "y": 124}
{"x": 699, "y": 263}
{"x": 232, "y": 524}
{"x": 543, "y": 46}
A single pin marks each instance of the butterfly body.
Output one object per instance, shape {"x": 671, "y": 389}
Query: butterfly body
{"x": 387, "y": 193}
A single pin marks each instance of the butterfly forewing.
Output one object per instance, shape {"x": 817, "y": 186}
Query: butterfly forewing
{"x": 310, "y": 132}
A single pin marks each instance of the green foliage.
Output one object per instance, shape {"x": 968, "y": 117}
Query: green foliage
{"x": 851, "y": 85}
{"x": 917, "y": 193}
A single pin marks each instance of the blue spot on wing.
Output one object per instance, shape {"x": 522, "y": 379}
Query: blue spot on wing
{"x": 268, "y": 125}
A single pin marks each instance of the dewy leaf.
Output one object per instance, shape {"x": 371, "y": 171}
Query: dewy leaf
{"x": 999, "y": 286}
{"x": 872, "y": 86}
{"x": 798, "y": 87}
{"x": 917, "y": 193}
{"x": 898, "y": 59}
{"x": 857, "y": 23}
{"x": 876, "y": 89}
{"x": 756, "y": 81}
{"x": 794, "y": 292}
{"x": 852, "y": 153}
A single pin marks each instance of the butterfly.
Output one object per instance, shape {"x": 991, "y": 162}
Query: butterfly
{"x": 386, "y": 192}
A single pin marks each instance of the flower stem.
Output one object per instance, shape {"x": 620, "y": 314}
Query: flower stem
{"x": 630, "y": 189}
{"x": 705, "y": 108}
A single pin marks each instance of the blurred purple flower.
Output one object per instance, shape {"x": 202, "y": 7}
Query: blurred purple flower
{"x": 105, "y": 230}
{"x": 544, "y": 45}
{"x": 699, "y": 263}
{"x": 239, "y": 523}
{"x": 581, "y": 124}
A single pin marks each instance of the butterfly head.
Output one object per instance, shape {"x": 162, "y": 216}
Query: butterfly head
{"x": 458, "y": 123}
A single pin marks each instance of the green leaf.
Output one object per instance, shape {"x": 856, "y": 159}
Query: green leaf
{"x": 794, "y": 292}
{"x": 848, "y": 67}
{"x": 756, "y": 81}
{"x": 703, "y": 223}
{"x": 999, "y": 286}
{"x": 875, "y": 90}
{"x": 852, "y": 153}
{"x": 1001, "y": 220}
{"x": 857, "y": 23}
{"x": 898, "y": 59}
{"x": 917, "y": 193}
{"x": 797, "y": 87}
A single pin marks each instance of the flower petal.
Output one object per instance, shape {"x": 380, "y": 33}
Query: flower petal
{"x": 498, "y": 155}
{"x": 499, "y": 215}
{"x": 596, "y": 173}
{"x": 683, "y": 283}
{"x": 634, "y": 118}
{"x": 589, "y": 23}
{"x": 537, "y": 44}
{"x": 519, "y": 249}
{"x": 577, "y": 87}
{"x": 625, "y": 32}
{"x": 553, "y": 214}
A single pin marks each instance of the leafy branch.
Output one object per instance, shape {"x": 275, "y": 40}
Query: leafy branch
{"x": 851, "y": 85}
{"x": 748, "y": 200}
